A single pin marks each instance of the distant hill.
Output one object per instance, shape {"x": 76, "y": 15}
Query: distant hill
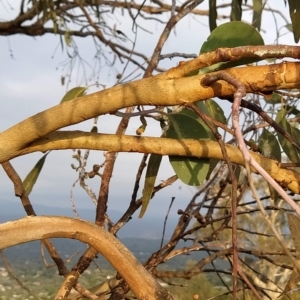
{"x": 141, "y": 236}
{"x": 150, "y": 226}
{"x": 30, "y": 253}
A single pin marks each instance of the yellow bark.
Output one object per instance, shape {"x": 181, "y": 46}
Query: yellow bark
{"x": 158, "y": 90}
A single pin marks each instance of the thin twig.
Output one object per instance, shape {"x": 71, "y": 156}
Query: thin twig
{"x": 165, "y": 222}
{"x": 15, "y": 277}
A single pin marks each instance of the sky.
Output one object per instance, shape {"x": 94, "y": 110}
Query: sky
{"x": 31, "y": 83}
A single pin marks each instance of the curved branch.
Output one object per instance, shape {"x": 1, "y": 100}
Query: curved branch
{"x": 8, "y": 27}
{"x": 29, "y": 229}
{"x": 161, "y": 90}
{"x": 164, "y": 146}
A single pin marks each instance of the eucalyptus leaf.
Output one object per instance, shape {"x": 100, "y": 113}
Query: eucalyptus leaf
{"x": 268, "y": 145}
{"x": 74, "y": 93}
{"x": 33, "y": 175}
{"x": 68, "y": 39}
{"x": 295, "y": 17}
{"x": 290, "y": 150}
{"x": 215, "y": 111}
{"x": 274, "y": 99}
{"x": 190, "y": 170}
{"x": 236, "y": 10}
{"x": 213, "y": 14}
{"x": 192, "y": 114}
{"x": 151, "y": 174}
{"x": 230, "y": 35}
{"x": 257, "y": 12}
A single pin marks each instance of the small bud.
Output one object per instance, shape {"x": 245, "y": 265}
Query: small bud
{"x": 96, "y": 168}
{"x": 141, "y": 130}
{"x": 94, "y": 129}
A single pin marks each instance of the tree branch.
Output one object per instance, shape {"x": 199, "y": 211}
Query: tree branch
{"x": 163, "y": 146}
{"x": 171, "y": 91}
{"x": 29, "y": 229}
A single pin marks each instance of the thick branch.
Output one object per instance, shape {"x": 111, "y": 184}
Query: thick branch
{"x": 160, "y": 90}
{"x": 164, "y": 146}
{"x": 36, "y": 228}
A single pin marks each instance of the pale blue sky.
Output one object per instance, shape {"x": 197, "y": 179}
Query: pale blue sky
{"x": 30, "y": 83}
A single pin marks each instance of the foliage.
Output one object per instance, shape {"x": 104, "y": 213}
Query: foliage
{"x": 219, "y": 152}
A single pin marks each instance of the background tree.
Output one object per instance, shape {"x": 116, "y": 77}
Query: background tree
{"x": 171, "y": 95}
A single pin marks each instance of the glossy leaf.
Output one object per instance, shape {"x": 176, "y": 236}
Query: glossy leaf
{"x": 230, "y": 35}
{"x": 215, "y": 111}
{"x": 190, "y": 170}
{"x": 213, "y": 14}
{"x": 33, "y": 175}
{"x": 295, "y": 17}
{"x": 201, "y": 105}
{"x": 62, "y": 48}
{"x": 269, "y": 146}
{"x": 257, "y": 12}
{"x": 289, "y": 26}
{"x": 290, "y": 150}
{"x": 192, "y": 114}
{"x": 68, "y": 39}
{"x": 274, "y": 98}
{"x": 293, "y": 110}
{"x": 151, "y": 174}
{"x": 73, "y": 93}
{"x": 236, "y": 10}
{"x": 212, "y": 109}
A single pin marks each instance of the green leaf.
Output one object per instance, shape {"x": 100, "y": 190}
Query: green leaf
{"x": 61, "y": 43}
{"x": 274, "y": 99}
{"x": 230, "y": 35}
{"x": 236, "y": 10}
{"x": 295, "y": 17}
{"x": 192, "y": 114}
{"x": 190, "y": 170}
{"x": 215, "y": 111}
{"x": 68, "y": 39}
{"x": 289, "y": 27}
{"x": 269, "y": 146}
{"x": 73, "y": 93}
{"x": 290, "y": 150}
{"x": 201, "y": 105}
{"x": 151, "y": 174}
{"x": 213, "y": 14}
{"x": 212, "y": 109}
{"x": 294, "y": 111}
{"x": 257, "y": 12}
{"x": 33, "y": 175}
